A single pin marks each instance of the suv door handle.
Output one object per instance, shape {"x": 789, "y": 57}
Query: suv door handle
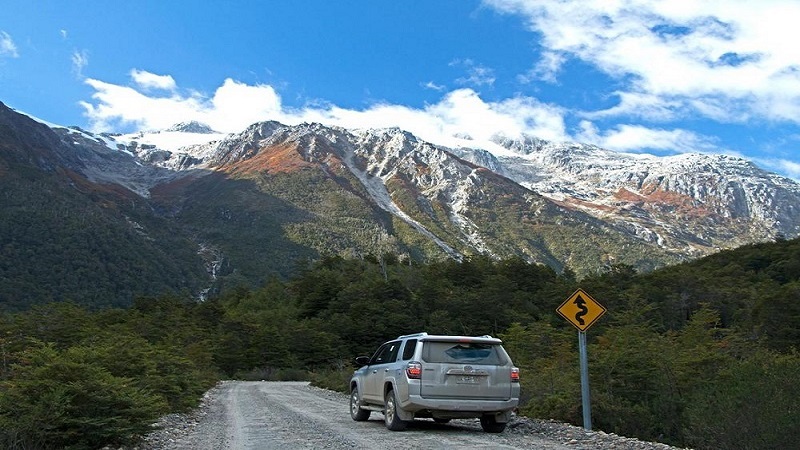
{"x": 386, "y": 370}
{"x": 375, "y": 371}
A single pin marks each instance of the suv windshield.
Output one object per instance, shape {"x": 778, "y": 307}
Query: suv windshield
{"x": 462, "y": 352}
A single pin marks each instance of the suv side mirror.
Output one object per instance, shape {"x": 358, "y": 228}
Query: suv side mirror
{"x": 362, "y": 360}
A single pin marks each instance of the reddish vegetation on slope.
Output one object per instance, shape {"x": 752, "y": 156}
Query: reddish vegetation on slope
{"x": 281, "y": 158}
{"x": 655, "y": 195}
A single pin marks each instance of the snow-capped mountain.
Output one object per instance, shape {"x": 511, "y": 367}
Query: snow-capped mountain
{"x": 689, "y": 202}
{"x": 274, "y": 192}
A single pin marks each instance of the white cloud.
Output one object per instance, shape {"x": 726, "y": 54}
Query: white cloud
{"x": 7, "y": 46}
{"x": 236, "y": 105}
{"x": 783, "y": 166}
{"x": 723, "y": 59}
{"x": 644, "y": 105}
{"x": 546, "y": 69}
{"x": 233, "y": 107}
{"x": 433, "y": 86}
{"x": 637, "y": 138}
{"x": 460, "y": 113}
{"x": 149, "y": 80}
{"x": 477, "y": 74}
{"x": 80, "y": 59}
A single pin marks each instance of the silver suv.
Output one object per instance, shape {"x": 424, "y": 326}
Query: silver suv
{"x": 440, "y": 377}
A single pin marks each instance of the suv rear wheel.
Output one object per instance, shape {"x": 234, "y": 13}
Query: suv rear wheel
{"x": 490, "y": 424}
{"x": 393, "y": 422}
{"x": 358, "y": 414}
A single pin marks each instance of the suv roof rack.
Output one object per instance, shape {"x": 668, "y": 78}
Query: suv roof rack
{"x": 412, "y": 335}
{"x": 423, "y": 334}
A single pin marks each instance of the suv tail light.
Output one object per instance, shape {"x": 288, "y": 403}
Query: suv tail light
{"x": 414, "y": 370}
{"x": 515, "y": 375}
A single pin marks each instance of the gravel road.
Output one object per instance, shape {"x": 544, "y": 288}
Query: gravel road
{"x": 290, "y": 415}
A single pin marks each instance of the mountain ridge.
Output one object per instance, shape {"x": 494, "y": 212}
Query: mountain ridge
{"x": 258, "y": 202}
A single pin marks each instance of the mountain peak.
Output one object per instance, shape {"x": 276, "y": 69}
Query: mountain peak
{"x": 191, "y": 127}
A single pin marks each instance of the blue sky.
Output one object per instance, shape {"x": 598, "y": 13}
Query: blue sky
{"x": 661, "y": 77}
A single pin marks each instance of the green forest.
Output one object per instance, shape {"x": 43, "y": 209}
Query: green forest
{"x": 701, "y": 354}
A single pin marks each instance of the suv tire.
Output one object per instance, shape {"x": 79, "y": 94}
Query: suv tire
{"x": 393, "y": 422}
{"x": 358, "y": 414}
{"x": 490, "y": 424}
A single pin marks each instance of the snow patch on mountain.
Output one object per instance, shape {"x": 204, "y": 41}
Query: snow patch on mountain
{"x": 378, "y": 172}
{"x": 432, "y": 169}
{"x": 174, "y": 141}
{"x": 460, "y": 204}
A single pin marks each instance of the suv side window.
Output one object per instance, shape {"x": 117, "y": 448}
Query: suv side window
{"x": 387, "y": 353}
{"x": 408, "y": 350}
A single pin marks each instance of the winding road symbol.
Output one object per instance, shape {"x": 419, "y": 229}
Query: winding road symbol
{"x": 581, "y": 310}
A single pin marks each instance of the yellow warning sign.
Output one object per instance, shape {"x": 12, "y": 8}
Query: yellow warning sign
{"x": 581, "y": 310}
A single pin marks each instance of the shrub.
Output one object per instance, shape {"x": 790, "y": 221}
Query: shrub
{"x": 62, "y": 400}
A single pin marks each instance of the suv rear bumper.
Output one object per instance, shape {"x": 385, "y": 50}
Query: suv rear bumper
{"x": 418, "y": 403}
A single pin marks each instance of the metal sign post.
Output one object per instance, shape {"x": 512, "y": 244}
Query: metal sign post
{"x": 581, "y": 310}
{"x": 585, "y": 398}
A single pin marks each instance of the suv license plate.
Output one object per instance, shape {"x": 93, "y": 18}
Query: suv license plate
{"x": 467, "y": 380}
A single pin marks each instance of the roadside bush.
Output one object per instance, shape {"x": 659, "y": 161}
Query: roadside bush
{"x": 753, "y": 403}
{"x": 60, "y": 399}
{"x": 337, "y": 379}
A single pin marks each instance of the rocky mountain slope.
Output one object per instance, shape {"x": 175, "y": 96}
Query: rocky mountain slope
{"x": 67, "y": 235}
{"x": 258, "y": 203}
{"x": 692, "y": 204}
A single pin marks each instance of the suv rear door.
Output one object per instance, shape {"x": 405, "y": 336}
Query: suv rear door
{"x": 466, "y": 368}
{"x": 379, "y": 366}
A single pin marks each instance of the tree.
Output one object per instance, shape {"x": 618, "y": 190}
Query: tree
{"x": 549, "y": 374}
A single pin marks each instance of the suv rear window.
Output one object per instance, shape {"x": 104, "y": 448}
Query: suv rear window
{"x": 462, "y": 352}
